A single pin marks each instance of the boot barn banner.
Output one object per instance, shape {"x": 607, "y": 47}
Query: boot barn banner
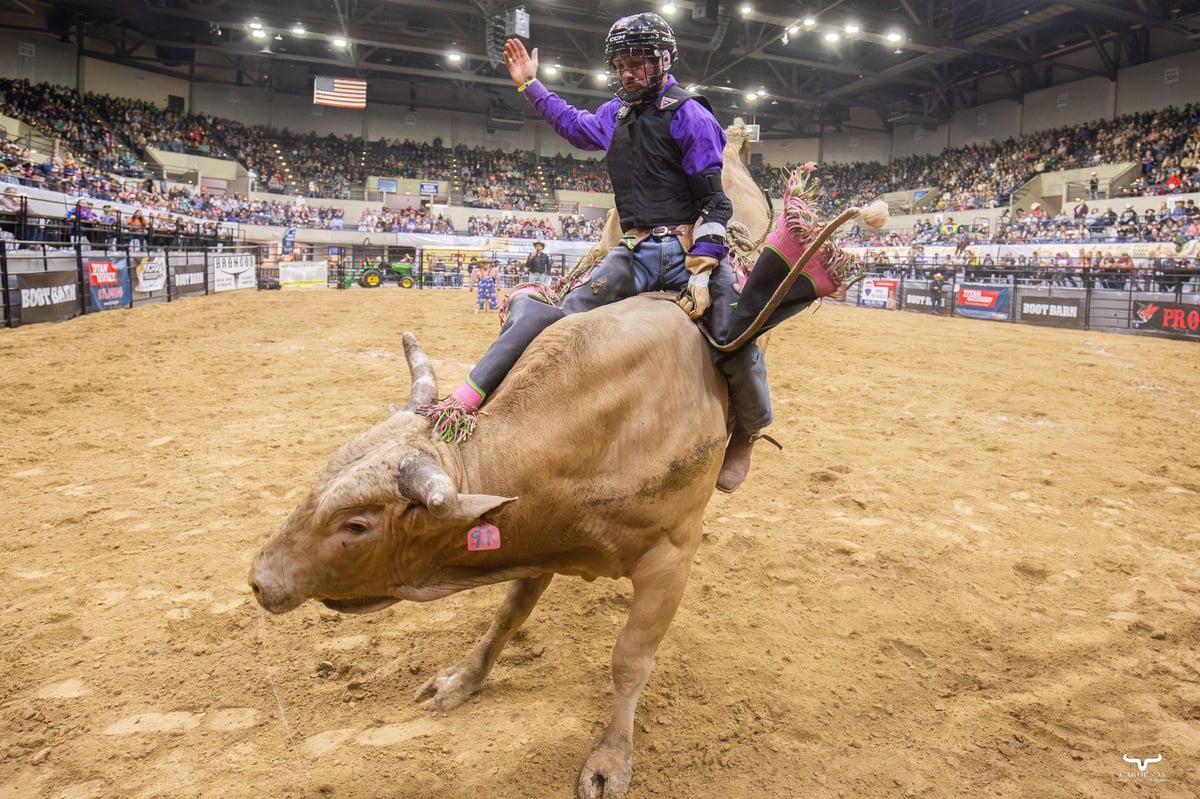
{"x": 43, "y": 297}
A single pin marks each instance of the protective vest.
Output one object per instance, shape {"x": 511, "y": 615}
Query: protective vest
{"x": 645, "y": 164}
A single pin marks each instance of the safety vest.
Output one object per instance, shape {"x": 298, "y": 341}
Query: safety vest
{"x": 645, "y": 164}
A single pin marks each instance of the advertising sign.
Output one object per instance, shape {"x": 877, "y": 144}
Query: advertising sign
{"x": 151, "y": 273}
{"x": 1167, "y": 317}
{"x": 877, "y": 292}
{"x": 109, "y": 283}
{"x": 1053, "y": 311}
{"x": 983, "y": 302}
{"x": 233, "y": 272}
{"x": 45, "y": 297}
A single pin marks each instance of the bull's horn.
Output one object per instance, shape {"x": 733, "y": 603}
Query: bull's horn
{"x": 423, "y": 479}
{"x": 424, "y": 382}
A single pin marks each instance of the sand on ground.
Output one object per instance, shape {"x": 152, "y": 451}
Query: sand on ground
{"x": 970, "y": 572}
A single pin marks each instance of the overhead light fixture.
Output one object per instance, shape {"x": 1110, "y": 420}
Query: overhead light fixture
{"x": 279, "y": 37}
{"x": 602, "y": 77}
{"x": 832, "y": 36}
{"x": 255, "y": 25}
{"x": 669, "y": 8}
{"x": 454, "y": 57}
{"x": 746, "y": 9}
{"x": 784, "y": 39}
{"x": 338, "y": 41}
{"x": 792, "y": 30}
{"x": 751, "y": 96}
{"x": 810, "y": 21}
{"x": 852, "y": 28}
{"x": 298, "y": 29}
{"x": 894, "y": 36}
{"x": 552, "y": 69}
{"x": 258, "y": 33}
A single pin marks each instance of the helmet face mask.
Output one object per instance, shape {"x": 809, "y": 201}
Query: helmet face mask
{"x": 644, "y": 46}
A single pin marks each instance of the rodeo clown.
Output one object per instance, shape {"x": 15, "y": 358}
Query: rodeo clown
{"x": 664, "y": 158}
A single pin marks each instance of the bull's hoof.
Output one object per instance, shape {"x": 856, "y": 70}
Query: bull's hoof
{"x": 605, "y": 775}
{"x": 449, "y": 688}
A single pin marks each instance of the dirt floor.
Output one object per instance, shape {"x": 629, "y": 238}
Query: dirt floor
{"x": 971, "y": 572}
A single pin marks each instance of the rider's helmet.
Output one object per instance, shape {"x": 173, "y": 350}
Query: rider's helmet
{"x": 640, "y": 36}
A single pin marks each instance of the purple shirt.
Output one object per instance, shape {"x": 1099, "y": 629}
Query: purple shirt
{"x": 701, "y": 138}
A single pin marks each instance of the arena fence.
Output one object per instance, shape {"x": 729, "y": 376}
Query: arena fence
{"x": 1161, "y": 302}
{"x": 42, "y": 283}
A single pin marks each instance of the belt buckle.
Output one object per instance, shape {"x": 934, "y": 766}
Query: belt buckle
{"x": 660, "y": 231}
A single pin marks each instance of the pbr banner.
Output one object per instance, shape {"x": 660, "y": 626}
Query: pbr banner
{"x": 46, "y": 297}
{"x": 982, "y": 302}
{"x": 1053, "y": 311}
{"x": 233, "y": 271}
{"x": 1167, "y": 317}
{"x": 109, "y": 282}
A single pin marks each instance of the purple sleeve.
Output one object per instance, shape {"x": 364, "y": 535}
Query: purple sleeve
{"x": 700, "y": 137}
{"x": 583, "y": 129}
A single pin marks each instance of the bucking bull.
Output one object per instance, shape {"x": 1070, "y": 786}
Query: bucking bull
{"x": 616, "y": 487}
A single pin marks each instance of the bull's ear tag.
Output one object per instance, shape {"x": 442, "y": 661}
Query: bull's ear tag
{"x": 484, "y": 535}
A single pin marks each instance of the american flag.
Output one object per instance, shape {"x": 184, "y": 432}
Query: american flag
{"x": 339, "y": 92}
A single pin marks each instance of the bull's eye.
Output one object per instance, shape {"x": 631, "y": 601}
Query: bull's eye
{"x": 357, "y": 526}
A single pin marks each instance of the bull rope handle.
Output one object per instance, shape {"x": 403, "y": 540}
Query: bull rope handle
{"x": 781, "y": 291}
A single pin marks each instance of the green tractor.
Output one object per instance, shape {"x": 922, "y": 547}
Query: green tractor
{"x": 373, "y": 275}
{"x": 379, "y": 265}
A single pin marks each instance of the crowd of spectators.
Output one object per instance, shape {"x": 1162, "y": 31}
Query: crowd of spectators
{"x": 1175, "y": 221}
{"x": 1166, "y": 143}
{"x": 99, "y": 139}
{"x": 510, "y": 227}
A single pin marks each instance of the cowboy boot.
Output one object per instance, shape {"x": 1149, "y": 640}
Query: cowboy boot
{"x": 830, "y": 268}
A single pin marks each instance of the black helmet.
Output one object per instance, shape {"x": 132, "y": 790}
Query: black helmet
{"x": 639, "y": 36}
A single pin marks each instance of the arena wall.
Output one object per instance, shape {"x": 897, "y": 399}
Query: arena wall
{"x": 1158, "y": 84}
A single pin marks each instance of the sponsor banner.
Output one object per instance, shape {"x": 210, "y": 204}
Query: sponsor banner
{"x": 109, "y": 283}
{"x": 289, "y": 240}
{"x": 189, "y": 278}
{"x": 151, "y": 273}
{"x": 1053, "y": 311}
{"x": 233, "y": 271}
{"x": 304, "y": 275}
{"x": 876, "y": 292}
{"x": 917, "y": 299}
{"x": 46, "y": 297}
{"x": 1167, "y": 317}
{"x": 982, "y": 302}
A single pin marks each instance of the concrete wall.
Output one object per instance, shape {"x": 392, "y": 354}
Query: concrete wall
{"x": 1068, "y": 104}
{"x": 986, "y": 123}
{"x": 37, "y": 58}
{"x": 1168, "y": 81}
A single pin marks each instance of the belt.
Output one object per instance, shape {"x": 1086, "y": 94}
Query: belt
{"x": 660, "y": 231}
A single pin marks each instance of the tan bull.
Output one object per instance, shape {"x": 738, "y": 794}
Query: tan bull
{"x": 615, "y": 488}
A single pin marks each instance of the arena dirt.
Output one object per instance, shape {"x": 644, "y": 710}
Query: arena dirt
{"x": 971, "y": 572}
